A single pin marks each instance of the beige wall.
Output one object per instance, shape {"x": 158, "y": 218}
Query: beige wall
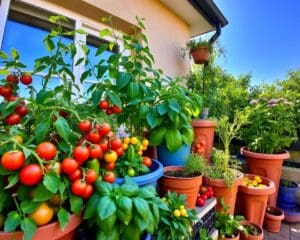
{"x": 166, "y": 32}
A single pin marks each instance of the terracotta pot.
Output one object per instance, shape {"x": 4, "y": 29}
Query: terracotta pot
{"x": 189, "y": 186}
{"x": 266, "y": 165}
{"x": 222, "y": 191}
{"x": 237, "y": 237}
{"x": 272, "y": 222}
{"x": 200, "y": 55}
{"x": 252, "y": 201}
{"x": 50, "y": 231}
{"x": 204, "y": 133}
{"x": 249, "y": 236}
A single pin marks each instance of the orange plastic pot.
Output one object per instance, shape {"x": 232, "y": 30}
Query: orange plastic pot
{"x": 50, "y": 231}
{"x": 249, "y": 236}
{"x": 252, "y": 201}
{"x": 222, "y": 191}
{"x": 200, "y": 55}
{"x": 237, "y": 237}
{"x": 189, "y": 186}
{"x": 204, "y": 136}
{"x": 266, "y": 165}
{"x": 272, "y": 222}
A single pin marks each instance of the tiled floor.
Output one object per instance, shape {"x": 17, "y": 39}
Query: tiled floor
{"x": 288, "y": 232}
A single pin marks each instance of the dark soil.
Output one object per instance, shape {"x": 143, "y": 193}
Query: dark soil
{"x": 273, "y": 211}
{"x": 180, "y": 173}
{"x": 253, "y": 230}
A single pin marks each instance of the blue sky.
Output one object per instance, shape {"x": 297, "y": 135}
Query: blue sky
{"x": 262, "y": 38}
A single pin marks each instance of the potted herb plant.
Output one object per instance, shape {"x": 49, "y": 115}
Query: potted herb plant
{"x": 200, "y": 50}
{"x": 252, "y": 231}
{"x": 271, "y": 127}
{"x": 287, "y": 194}
{"x": 273, "y": 218}
{"x": 176, "y": 221}
{"x": 184, "y": 180}
{"x": 222, "y": 176}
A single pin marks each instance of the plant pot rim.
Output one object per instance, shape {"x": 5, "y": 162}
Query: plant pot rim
{"x": 198, "y": 48}
{"x": 274, "y": 217}
{"x": 203, "y": 123}
{"x": 245, "y": 222}
{"x": 295, "y": 185}
{"x": 269, "y": 189}
{"x": 176, "y": 168}
{"x": 277, "y": 156}
{"x": 221, "y": 182}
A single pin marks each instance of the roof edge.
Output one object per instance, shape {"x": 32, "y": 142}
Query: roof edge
{"x": 210, "y": 12}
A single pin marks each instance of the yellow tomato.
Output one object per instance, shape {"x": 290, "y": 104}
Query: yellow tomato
{"x": 140, "y": 153}
{"x": 134, "y": 140}
{"x": 183, "y": 212}
{"x": 124, "y": 146}
{"x": 176, "y": 213}
{"x": 126, "y": 140}
{"x": 110, "y": 156}
{"x": 145, "y": 142}
{"x": 42, "y": 215}
{"x": 18, "y": 139}
{"x": 258, "y": 179}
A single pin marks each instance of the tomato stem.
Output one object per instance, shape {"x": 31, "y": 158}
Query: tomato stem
{"x": 14, "y": 195}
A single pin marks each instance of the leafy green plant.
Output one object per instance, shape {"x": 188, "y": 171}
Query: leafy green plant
{"x": 125, "y": 211}
{"x": 271, "y": 127}
{"x": 175, "y": 222}
{"x": 203, "y": 234}
{"x": 194, "y": 165}
{"x": 227, "y": 224}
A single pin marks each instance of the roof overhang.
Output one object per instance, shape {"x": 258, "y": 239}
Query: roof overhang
{"x": 201, "y": 15}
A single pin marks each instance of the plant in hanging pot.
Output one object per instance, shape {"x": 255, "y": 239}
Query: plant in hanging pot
{"x": 271, "y": 127}
{"x": 222, "y": 175}
{"x": 200, "y": 50}
{"x": 171, "y": 129}
{"x": 184, "y": 180}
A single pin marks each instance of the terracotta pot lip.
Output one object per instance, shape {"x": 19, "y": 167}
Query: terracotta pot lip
{"x": 198, "y": 48}
{"x": 268, "y": 190}
{"x": 277, "y": 156}
{"x": 176, "y": 168}
{"x": 221, "y": 182}
{"x": 274, "y": 217}
{"x": 203, "y": 123}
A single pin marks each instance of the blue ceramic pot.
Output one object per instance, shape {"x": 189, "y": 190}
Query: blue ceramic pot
{"x": 176, "y": 158}
{"x": 287, "y": 195}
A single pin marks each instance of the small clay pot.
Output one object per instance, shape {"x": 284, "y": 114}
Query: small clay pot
{"x": 273, "y": 218}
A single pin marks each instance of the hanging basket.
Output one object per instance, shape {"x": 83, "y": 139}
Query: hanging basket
{"x": 200, "y": 55}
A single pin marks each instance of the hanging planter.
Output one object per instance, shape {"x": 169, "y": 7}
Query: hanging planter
{"x": 199, "y": 50}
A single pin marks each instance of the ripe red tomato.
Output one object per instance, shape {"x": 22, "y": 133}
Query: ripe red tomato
{"x": 200, "y": 202}
{"x": 203, "y": 189}
{"x": 85, "y": 125}
{"x": 147, "y": 161}
{"x": 109, "y": 177}
{"x": 116, "y": 109}
{"x": 110, "y": 166}
{"x": 69, "y": 165}
{"x": 91, "y": 176}
{"x": 31, "y": 174}
{"x": 13, "y": 160}
{"x": 88, "y": 191}
{"x": 54, "y": 167}
{"x": 78, "y": 187}
{"x": 95, "y": 151}
{"x": 75, "y": 175}
{"x": 204, "y": 196}
{"x": 12, "y": 119}
{"x": 81, "y": 154}
{"x": 93, "y": 136}
{"x": 21, "y": 110}
{"x": 11, "y": 98}
{"x": 119, "y": 151}
{"x": 104, "y": 145}
{"x": 109, "y": 111}
{"x": 12, "y": 78}
{"x": 104, "y": 104}
{"x": 104, "y": 129}
{"x": 26, "y": 79}
{"x": 46, "y": 150}
{"x": 110, "y": 134}
{"x": 6, "y": 91}
{"x": 115, "y": 143}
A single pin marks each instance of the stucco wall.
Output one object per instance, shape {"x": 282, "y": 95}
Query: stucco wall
{"x": 166, "y": 32}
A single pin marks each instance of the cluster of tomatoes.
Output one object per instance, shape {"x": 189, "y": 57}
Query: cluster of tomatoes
{"x": 199, "y": 147}
{"x": 8, "y": 91}
{"x": 105, "y": 106}
{"x": 204, "y": 194}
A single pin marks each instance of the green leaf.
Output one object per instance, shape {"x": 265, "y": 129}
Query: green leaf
{"x": 14, "y": 54}
{"x": 111, "y": 46}
{"x": 41, "y": 193}
{"x": 134, "y": 102}
{"x": 41, "y": 130}
{"x": 104, "y": 32}
{"x": 114, "y": 98}
{"x": 79, "y": 61}
{"x": 106, "y": 207}
{"x": 133, "y": 90}
{"x": 104, "y": 188}
{"x": 85, "y": 75}
{"x": 63, "y": 128}
{"x": 3, "y": 55}
{"x": 4, "y": 71}
{"x": 76, "y": 204}
{"x": 12, "y": 221}
{"x": 122, "y": 80}
{"x": 142, "y": 207}
{"x": 51, "y": 181}
{"x": 29, "y": 227}
{"x": 102, "y": 48}
{"x": 157, "y": 136}
{"x": 43, "y": 95}
{"x": 108, "y": 224}
{"x": 124, "y": 210}
{"x": 174, "y": 105}
{"x": 49, "y": 44}
{"x": 12, "y": 180}
{"x": 173, "y": 139}
{"x": 151, "y": 120}
{"x": 89, "y": 211}
{"x": 63, "y": 217}
{"x": 162, "y": 108}
{"x": 187, "y": 135}
{"x": 29, "y": 206}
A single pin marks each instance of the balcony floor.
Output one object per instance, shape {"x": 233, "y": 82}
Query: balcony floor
{"x": 289, "y": 231}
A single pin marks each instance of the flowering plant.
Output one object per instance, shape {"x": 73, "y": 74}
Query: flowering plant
{"x": 271, "y": 125}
